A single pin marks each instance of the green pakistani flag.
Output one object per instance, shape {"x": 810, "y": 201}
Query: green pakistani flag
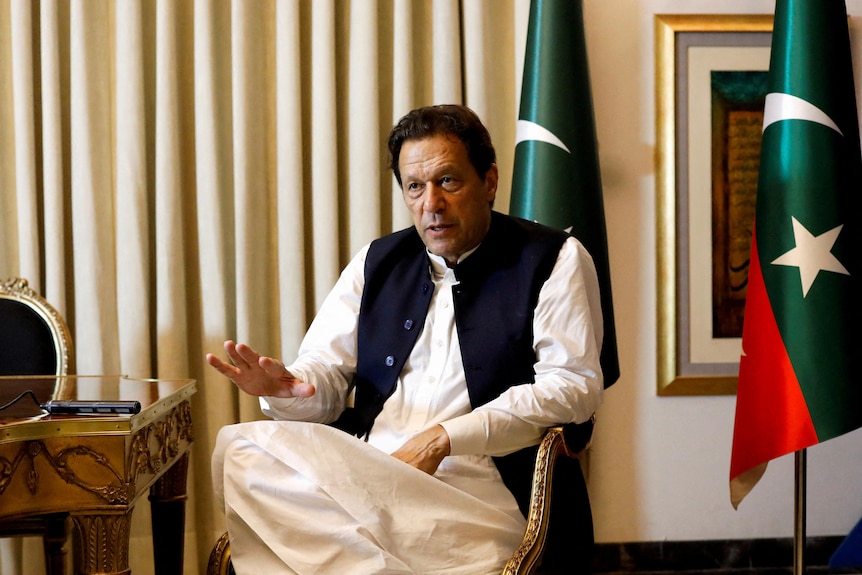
{"x": 798, "y": 384}
{"x": 556, "y": 178}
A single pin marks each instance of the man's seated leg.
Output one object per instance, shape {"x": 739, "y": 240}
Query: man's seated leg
{"x": 309, "y": 498}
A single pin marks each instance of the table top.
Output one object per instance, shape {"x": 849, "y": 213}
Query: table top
{"x": 28, "y": 421}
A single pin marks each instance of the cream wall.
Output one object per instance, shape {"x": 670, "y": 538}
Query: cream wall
{"x": 659, "y": 467}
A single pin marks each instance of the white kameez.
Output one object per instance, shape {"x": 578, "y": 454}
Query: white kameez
{"x": 306, "y": 498}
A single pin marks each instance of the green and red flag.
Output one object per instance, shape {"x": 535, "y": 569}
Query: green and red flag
{"x": 556, "y": 178}
{"x": 797, "y": 384}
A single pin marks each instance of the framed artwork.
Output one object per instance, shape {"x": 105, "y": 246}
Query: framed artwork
{"x": 710, "y": 86}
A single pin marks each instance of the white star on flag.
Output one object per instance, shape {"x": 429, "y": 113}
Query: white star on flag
{"x": 812, "y": 254}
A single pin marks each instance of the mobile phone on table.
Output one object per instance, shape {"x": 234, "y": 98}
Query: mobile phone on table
{"x": 95, "y": 407}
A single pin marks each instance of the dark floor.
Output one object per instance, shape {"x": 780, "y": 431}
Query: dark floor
{"x": 741, "y": 571}
{"x": 731, "y": 557}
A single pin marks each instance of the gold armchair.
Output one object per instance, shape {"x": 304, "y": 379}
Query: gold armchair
{"x": 35, "y": 341}
{"x": 570, "y": 441}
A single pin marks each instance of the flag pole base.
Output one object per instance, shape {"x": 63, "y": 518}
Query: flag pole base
{"x": 799, "y": 515}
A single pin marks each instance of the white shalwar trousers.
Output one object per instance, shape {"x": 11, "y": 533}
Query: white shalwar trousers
{"x": 309, "y": 499}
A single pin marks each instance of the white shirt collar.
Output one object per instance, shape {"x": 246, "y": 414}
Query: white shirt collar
{"x": 439, "y": 265}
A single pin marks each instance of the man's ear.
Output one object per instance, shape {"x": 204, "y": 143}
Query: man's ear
{"x": 492, "y": 176}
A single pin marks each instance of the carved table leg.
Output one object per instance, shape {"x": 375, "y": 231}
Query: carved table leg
{"x": 168, "y": 506}
{"x": 54, "y": 540}
{"x": 102, "y": 544}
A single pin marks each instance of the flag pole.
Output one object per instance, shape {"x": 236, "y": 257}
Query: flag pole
{"x": 799, "y": 505}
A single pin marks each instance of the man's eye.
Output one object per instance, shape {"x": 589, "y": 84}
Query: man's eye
{"x": 450, "y": 183}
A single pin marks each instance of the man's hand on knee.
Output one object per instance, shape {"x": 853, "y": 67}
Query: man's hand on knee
{"x": 426, "y": 450}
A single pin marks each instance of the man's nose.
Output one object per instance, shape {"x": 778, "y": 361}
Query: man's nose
{"x": 434, "y": 200}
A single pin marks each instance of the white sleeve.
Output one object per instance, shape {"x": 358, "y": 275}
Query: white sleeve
{"x": 327, "y": 355}
{"x": 568, "y": 387}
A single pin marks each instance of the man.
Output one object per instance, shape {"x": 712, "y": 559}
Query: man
{"x": 447, "y": 349}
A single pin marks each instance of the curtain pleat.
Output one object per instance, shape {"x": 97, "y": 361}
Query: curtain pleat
{"x": 133, "y": 215}
{"x": 8, "y": 203}
{"x": 445, "y": 53}
{"x": 56, "y": 188}
{"x": 93, "y": 194}
{"x": 23, "y": 77}
{"x": 294, "y": 259}
{"x": 175, "y": 173}
{"x": 175, "y": 239}
{"x": 324, "y": 96}
{"x": 364, "y": 201}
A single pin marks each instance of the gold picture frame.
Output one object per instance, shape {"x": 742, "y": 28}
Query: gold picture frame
{"x": 680, "y": 370}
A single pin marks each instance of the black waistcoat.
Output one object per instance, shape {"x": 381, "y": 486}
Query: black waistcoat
{"x": 494, "y": 300}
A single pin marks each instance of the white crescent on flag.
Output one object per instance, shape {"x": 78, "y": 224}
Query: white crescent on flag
{"x": 780, "y": 107}
{"x": 526, "y": 130}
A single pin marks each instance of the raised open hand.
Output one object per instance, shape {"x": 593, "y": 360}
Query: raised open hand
{"x": 258, "y": 375}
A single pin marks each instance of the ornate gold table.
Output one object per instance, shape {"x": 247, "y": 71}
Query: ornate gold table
{"x": 90, "y": 470}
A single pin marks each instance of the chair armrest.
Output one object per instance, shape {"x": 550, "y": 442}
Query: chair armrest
{"x": 571, "y": 440}
{"x": 219, "y": 561}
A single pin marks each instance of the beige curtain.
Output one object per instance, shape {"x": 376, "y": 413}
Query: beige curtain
{"x": 174, "y": 173}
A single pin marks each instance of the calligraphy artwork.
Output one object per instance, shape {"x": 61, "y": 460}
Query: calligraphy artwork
{"x": 737, "y": 120}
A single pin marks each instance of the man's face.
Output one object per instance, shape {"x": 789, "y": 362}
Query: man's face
{"x": 449, "y": 202}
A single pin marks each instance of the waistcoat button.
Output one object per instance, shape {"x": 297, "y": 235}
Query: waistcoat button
{"x": 389, "y": 361}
